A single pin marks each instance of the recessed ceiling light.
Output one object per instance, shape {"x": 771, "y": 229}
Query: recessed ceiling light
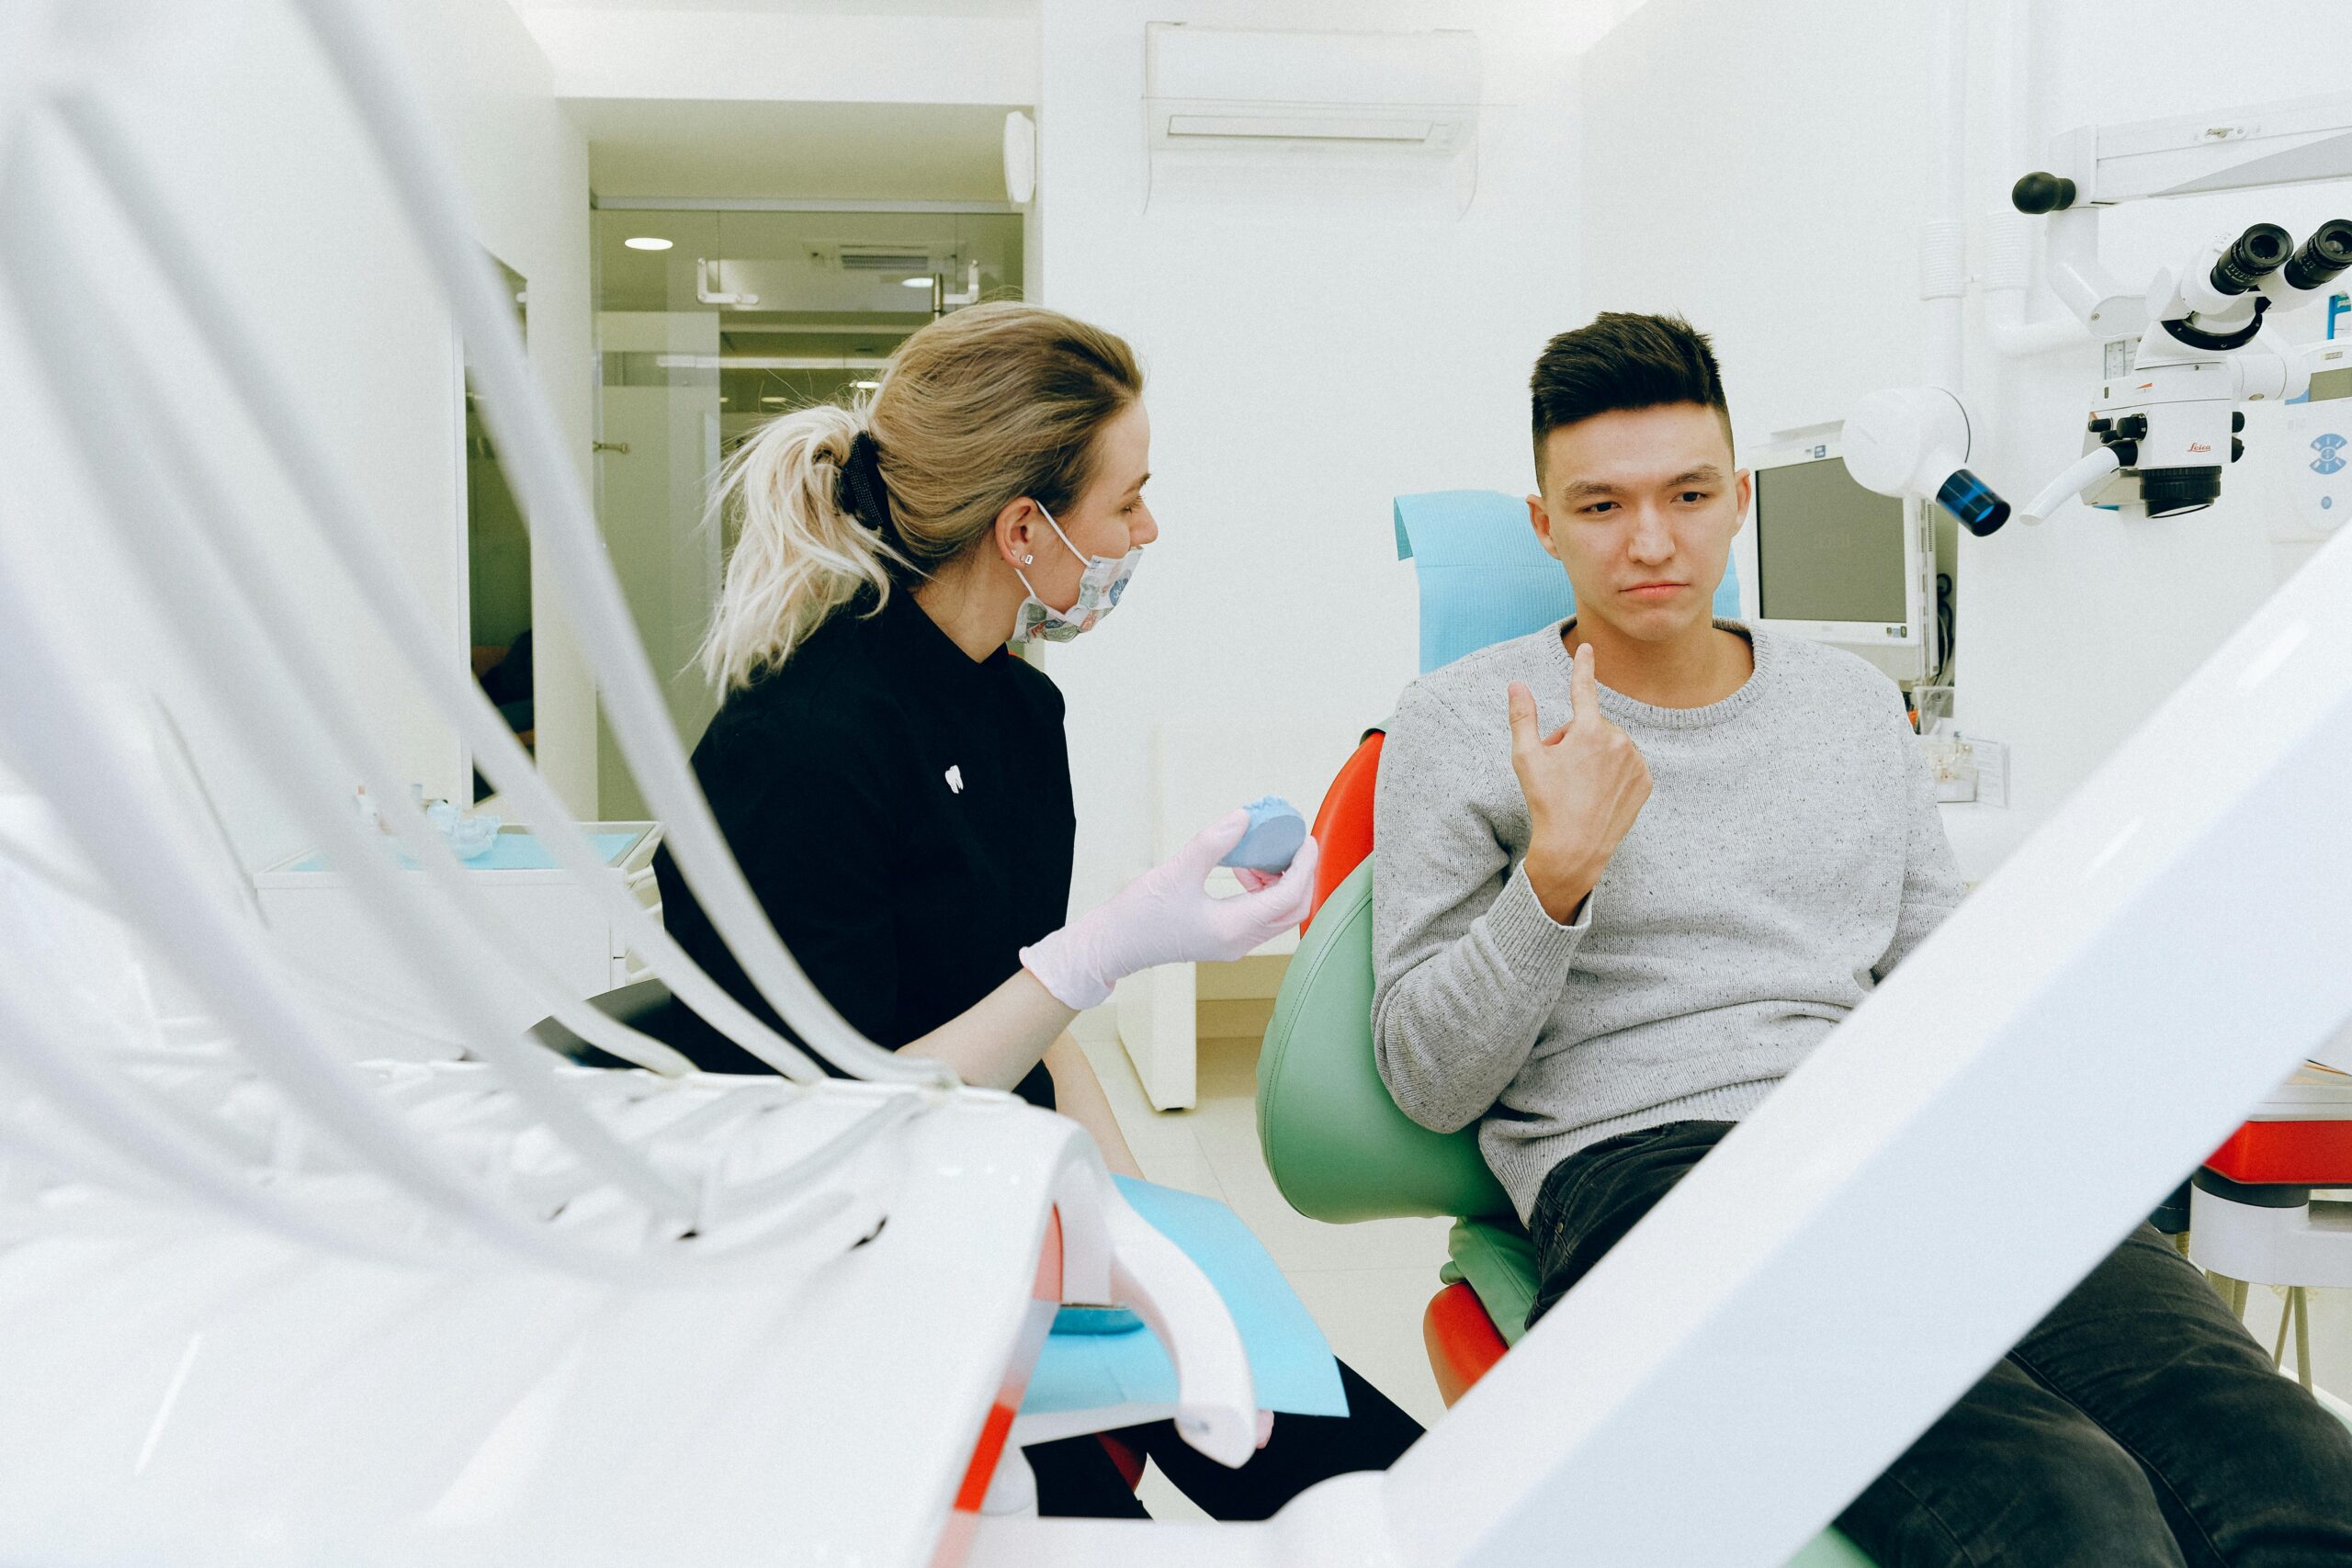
{"x": 867, "y": 386}
{"x": 923, "y": 282}
{"x": 647, "y": 242}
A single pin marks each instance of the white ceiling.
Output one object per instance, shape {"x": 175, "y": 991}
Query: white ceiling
{"x": 738, "y": 149}
{"x": 799, "y": 8}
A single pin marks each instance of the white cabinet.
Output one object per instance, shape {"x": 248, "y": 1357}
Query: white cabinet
{"x": 314, "y": 915}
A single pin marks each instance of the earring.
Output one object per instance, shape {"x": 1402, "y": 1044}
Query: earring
{"x": 1028, "y": 560}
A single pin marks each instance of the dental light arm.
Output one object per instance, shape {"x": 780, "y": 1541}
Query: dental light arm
{"x": 1915, "y": 441}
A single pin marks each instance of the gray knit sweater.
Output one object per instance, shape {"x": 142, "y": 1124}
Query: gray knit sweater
{"x": 1789, "y": 856}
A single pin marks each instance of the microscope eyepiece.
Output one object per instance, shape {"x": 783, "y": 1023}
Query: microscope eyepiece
{"x": 2253, "y": 256}
{"x": 2327, "y": 252}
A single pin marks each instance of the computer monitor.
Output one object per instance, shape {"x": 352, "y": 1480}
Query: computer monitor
{"x": 1840, "y": 564}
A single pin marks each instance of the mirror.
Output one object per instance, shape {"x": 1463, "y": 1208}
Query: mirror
{"x": 498, "y": 562}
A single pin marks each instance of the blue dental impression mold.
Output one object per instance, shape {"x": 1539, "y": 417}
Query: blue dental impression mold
{"x": 1276, "y": 830}
{"x": 1095, "y": 1320}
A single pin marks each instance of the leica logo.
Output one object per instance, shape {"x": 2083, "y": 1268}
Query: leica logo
{"x": 2199, "y": 446}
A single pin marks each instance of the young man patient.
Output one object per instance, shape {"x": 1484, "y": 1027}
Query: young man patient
{"x": 1632, "y": 867}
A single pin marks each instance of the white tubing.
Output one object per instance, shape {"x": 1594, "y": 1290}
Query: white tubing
{"x": 155, "y": 1145}
{"x": 341, "y": 517}
{"x": 77, "y": 349}
{"x": 1943, "y": 238}
{"x": 2072, "y": 480}
{"x": 244, "y": 575}
{"x": 85, "y": 777}
{"x": 248, "y": 567}
{"x": 365, "y": 55}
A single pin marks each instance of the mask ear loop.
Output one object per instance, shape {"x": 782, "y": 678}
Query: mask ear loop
{"x": 1030, "y": 559}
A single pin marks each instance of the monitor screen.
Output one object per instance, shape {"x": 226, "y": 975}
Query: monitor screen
{"x": 1826, "y": 549}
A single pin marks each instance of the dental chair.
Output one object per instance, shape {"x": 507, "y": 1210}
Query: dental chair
{"x": 1335, "y": 1143}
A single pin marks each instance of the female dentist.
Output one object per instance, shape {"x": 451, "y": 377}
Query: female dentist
{"x": 897, "y": 785}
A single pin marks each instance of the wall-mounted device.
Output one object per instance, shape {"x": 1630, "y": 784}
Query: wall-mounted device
{"x": 2319, "y": 443}
{"x": 1839, "y": 562}
{"x": 1290, "y": 115}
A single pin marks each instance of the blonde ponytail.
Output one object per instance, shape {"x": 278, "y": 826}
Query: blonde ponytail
{"x": 798, "y": 555}
{"x": 976, "y": 410}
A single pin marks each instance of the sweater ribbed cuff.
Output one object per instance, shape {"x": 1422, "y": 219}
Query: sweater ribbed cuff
{"x": 1527, "y": 939}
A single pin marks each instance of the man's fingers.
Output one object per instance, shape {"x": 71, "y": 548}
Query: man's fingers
{"x": 1584, "y": 686}
{"x": 1523, "y": 732}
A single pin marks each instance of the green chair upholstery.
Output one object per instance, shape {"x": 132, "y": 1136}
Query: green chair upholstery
{"x": 1339, "y": 1148}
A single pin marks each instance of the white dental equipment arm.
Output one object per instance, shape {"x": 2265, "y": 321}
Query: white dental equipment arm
{"x": 1915, "y": 441}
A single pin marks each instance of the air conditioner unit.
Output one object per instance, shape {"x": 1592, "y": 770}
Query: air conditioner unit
{"x": 854, "y": 257}
{"x": 1230, "y": 109}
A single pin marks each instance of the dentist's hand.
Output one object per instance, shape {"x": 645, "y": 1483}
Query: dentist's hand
{"x": 1585, "y": 783}
{"x": 1166, "y": 916}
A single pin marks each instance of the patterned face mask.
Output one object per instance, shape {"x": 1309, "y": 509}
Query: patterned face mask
{"x": 1099, "y": 588}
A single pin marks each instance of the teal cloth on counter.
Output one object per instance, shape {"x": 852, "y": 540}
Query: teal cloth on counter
{"x": 1484, "y": 578}
{"x": 1289, "y": 1358}
{"x": 512, "y": 851}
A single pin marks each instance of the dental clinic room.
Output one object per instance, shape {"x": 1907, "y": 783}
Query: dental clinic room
{"x": 1027, "y": 784}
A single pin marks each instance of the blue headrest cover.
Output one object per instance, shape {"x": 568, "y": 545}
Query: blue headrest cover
{"x": 1484, "y": 578}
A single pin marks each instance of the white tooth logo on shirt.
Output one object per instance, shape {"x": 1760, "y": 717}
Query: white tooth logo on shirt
{"x": 955, "y": 779}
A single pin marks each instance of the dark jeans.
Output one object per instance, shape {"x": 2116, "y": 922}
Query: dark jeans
{"x": 2138, "y": 1423}
{"x": 1077, "y": 1480}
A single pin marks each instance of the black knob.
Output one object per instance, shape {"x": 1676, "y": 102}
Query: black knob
{"x": 2325, "y": 253}
{"x": 2238, "y": 419}
{"x": 2133, "y": 427}
{"x": 2238, "y": 448}
{"x": 2041, "y": 193}
{"x": 2101, "y": 424}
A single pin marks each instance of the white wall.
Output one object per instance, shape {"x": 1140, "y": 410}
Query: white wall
{"x": 1780, "y": 211}
{"x": 236, "y": 112}
{"x": 629, "y": 52}
{"x": 1305, "y": 367}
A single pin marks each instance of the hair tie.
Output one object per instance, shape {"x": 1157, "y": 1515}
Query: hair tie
{"x": 862, "y": 493}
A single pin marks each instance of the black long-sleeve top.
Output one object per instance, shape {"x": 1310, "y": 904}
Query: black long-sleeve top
{"x": 903, "y": 814}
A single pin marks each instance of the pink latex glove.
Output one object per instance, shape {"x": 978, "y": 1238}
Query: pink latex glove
{"x": 1166, "y": 916}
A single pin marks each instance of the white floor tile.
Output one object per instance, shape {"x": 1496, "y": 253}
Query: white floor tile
{"x": 1145, "y": 1129}
{"x": 1372, "y": 1318}
{"x": 1186, "y": 1172}
{"x": 1161, "y": 1500}
{"x": 1300, "y": 1243}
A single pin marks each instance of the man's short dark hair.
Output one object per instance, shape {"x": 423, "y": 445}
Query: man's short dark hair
{"x": 1623, "y": 361}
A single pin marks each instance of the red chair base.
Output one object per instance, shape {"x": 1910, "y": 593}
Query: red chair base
{"x": 2298, "y": 1154}
{"x": 1462, "y": 1339}
{"x": 1128, "y": 1462}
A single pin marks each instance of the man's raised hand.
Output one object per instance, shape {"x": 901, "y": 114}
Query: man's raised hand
{"x": 1585, "y": 783}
